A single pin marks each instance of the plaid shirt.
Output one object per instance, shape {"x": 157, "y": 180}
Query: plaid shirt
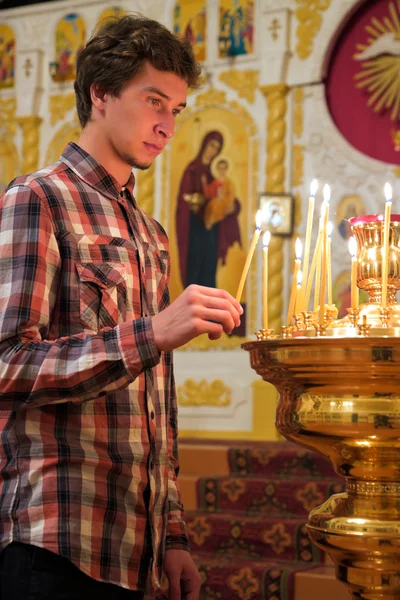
{"x": 88, "y": 413}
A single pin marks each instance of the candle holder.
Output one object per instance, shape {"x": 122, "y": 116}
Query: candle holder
{"x": 385, "y": 316}
{"x": 309, "y": 319}
{"x": 353, "y": 315}
{"x": 353, "y": 418}
{"x": 299, "y": 321}
{"x": 320, "y": 330}
{"x": 364, "y": 326}
{"x": 265, "y": 334}
{"x": 287, "y": 331}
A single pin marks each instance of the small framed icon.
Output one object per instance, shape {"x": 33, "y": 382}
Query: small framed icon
{"x": 277, "y": 213}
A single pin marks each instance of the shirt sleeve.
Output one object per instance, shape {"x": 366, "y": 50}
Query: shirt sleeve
{"x": 176, "y": 535}
{"x": 34, "y": 370}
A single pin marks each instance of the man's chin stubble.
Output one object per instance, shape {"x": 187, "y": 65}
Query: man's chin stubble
{"x": 135, "y": 164}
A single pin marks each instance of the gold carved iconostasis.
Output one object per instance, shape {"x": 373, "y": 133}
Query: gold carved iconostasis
{"x": 285, "y": 86}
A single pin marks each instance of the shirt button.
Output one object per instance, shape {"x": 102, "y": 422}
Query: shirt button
{"x": 152, "y": 414}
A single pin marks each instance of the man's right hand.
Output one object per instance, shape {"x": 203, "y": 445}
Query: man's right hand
{"x": 197, "y": 310}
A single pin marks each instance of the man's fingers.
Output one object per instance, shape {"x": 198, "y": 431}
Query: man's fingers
{"x": 223, "y": 305}
{"x": 217, "y": 293}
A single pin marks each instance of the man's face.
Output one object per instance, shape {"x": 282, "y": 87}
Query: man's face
{"x": 139, "y": 123}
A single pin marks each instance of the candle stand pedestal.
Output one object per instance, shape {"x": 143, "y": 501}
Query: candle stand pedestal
{"x": 340, "y": 395}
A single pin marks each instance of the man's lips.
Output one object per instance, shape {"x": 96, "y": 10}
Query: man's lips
{"x": 153, "y": 148}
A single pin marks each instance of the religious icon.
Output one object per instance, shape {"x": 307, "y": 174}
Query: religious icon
{"x": 277, "y": 211}
{"x": 236, "y": 28}
{"x": 190, "y": 24}
{"x": 349, "y": 206}
{"x": 206, "y": 214}
{"x": 70, "y": 40}
{"x": 7, "y": 57}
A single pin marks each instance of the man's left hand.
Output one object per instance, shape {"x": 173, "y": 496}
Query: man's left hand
{"x": 184, "y": 578}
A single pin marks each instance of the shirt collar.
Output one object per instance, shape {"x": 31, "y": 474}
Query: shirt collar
{"x": 88, "y": 169}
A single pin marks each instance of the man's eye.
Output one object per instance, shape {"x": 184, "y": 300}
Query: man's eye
{"x": 155, "y": 101}
{"x": 176, "y": 112}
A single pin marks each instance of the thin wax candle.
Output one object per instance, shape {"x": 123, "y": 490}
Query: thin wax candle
{"x": 266, "y": 240}
{"x": 385, "y": 249}
{"x": 250, "y": 253}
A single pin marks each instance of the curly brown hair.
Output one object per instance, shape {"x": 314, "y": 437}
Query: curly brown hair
{"x": 117, "y": 51}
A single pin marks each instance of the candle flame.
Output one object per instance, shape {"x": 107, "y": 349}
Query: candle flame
{"x": 388, "y": 192}
{"x": 313, "y": 187}
{"x": 353, "y": 246}
{"x": 266, "y": 239}
{"x": 298, "y": 249}
{"x": 259, "y": 219}
{"x": 299, "y": 278}
{"x": 329, "y": 229}
{"x": 327, "y": 193}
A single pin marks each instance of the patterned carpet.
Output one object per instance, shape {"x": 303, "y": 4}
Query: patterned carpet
{"x": 249, "y": 537}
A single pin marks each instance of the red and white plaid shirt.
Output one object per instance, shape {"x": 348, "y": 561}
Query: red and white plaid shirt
{"x": 88, "y": 412}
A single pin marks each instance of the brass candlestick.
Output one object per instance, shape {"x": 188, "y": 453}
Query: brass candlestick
{"x": 340, "y": 395}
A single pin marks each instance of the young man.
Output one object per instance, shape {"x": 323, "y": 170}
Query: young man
{"x": 89, "y": 500}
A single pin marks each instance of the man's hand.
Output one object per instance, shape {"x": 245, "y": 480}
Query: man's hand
{"x": 198, "y": 310}
{"x": 183, "y": 576}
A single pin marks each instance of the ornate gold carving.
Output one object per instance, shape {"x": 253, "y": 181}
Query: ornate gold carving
{"x": 30, "y": 143}
{"x": 145, "y": 195}
{"x": 274, "y": 28}
{"x": 275, "y": 181}
{"x": 298, "y": 113}
{"x": 59, "y": 105}
{"x": 69, "y": 132}
{"x": 309, "y": 17}
{"x": 298, "y": 165}
{"x": 211, "y": 97}
{"x": 8, "y": 123}
{"x": 204, "y": 393}
{"x": 28, "y": 66}
{"x": 244, "y": 82}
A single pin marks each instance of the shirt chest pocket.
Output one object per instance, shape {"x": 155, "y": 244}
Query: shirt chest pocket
{"x": 102, "y": 293}
{"x": 156, "y": 269}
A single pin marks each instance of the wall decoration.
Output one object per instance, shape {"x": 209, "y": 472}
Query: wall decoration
{"x": 7, "y": 57}
{"x": 365, "y": 62}
{"x": 70, "y": 40}
{"x": 211, "y": 168}
{"x": 244, "y": 82}
{"x": 350, "y": 205}
{"x": 204, "y": 393}
{"x": 236, "y": 27}
{"x": 309, "y": 18}
{"x": 277, "y": 210}
{"x": 9, "y": 161}
{"x": 190, "y": 24}
{"x": 114, "y": 12}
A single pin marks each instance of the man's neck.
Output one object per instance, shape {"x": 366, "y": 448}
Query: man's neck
{"x": 93, "y": 142}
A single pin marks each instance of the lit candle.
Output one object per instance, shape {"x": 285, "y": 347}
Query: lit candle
{"x": 354, "y": 288}
{"x": 322, "y": 292}
{"x": 316, "y": 263}
{"x": 299, "y": 299}
{"x": 307, "y": 244}
{"x": 329, "y": 254}
{"x": 385, "y": 253}
{"x": 250, "y": 253}
{"x": 293, "y": 293}
{"x": 266, "y": 240}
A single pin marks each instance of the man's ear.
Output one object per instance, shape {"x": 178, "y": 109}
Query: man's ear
{"x": 98, "y": 96}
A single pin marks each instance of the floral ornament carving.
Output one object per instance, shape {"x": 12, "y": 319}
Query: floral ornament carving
{"x": 309, "y": 16}
{"x": 244, "y": 82}
{"x": 211, "y": 97}
{"x": 60, "y": 105}
{"x": 203, "y": 393}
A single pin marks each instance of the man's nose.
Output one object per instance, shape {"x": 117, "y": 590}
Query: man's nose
{"x": 167, "y": 127}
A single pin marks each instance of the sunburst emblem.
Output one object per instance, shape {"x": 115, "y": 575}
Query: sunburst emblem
{"x": 380, "y": 62}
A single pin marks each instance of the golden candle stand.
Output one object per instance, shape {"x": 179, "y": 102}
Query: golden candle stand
{"x": 339, "y": 386}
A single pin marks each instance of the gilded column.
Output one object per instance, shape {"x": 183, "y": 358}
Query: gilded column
{"x": 275, "y": 183}
{"x": 30, "y": 142}
{"x": 145, "y": 196}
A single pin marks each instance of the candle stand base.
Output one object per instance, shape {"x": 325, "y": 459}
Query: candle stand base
{"x": 340, "y": 396}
